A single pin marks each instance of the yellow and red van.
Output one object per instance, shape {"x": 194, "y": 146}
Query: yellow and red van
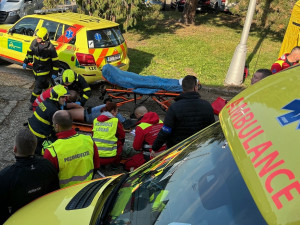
{"x": 83, "y": 43}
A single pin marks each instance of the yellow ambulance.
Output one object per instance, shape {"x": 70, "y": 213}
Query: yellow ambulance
{"x": 83, "y": 43}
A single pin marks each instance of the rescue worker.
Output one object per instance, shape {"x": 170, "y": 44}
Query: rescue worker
{"x": 109, "y": 135}
{"x": 188, "y": 115}
{"x": 286, "y": 60}
{"x": 147, "y": 129}
{"x": 29, "y": 178}
{"x": 40, "y": 123}
{"x": 259, "y": 75}
{"x": 45, "y": 62}
{"x": 78, "y": 87}
{"x": 75, "y": 156}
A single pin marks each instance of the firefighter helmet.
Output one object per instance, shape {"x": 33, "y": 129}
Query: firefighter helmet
{"x": 69, "y": 76}
{"x": 59, "y": 91}
{"x": 42, "y": 33}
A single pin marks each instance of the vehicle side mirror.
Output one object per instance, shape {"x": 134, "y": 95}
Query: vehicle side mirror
{"x": 11, "y": 31}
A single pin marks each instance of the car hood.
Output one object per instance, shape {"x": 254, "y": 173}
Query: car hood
{"x": 261, "y": 125}
{"x": 59, "y": 207}
{"x": 9, "y": 6}
{"x": 5, "y": 27}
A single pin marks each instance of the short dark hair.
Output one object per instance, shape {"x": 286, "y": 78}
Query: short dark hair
{"x": 264, "y": 72}
{"x": 25, "y": 142}
{"x": 107, "y": 100}
{"x": 110, "y": 106}
{"x": 296, "y": 48}
{"x": 188, "y": 83}
{"x": 64, "y": 119}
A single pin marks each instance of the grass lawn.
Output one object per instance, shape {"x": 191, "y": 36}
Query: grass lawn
{"x": 166, "y": 48}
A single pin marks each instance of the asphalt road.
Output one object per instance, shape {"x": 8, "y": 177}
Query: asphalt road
{"x": 16, "y": 85}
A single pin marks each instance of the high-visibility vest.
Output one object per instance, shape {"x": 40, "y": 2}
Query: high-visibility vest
{"x": 75, "y": 159}
{"x": 104, "y": 135}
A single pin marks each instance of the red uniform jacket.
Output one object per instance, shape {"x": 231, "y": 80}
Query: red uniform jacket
{"x": 149, "y": 134}
{"x": 281, "y": 64}
{"x": 42, "y": 97}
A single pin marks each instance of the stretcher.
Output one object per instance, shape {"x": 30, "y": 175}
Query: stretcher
{"x": 131, "y": 87}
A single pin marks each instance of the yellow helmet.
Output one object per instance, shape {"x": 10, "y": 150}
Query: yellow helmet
{"x": 69, "y": 76}
{"x": 58, "y": 91}
{"x": 42, "y": 33}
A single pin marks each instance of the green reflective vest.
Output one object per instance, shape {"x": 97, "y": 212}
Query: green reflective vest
{"x": 75, "y": 159}
{"x": 104, "y": 135}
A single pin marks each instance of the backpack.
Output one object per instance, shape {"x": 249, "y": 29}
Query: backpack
{"x": 134, "y": 162}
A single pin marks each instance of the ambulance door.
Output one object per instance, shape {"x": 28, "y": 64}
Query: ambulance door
{"x": 19, "y": 39}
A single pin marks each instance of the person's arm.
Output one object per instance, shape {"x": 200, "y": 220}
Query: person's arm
{"x": 4, "y": 193}
{"x": 72, "y": 105}
{"x": 276, "y": 68}
{"x": 96, "y": 158}
{"x": 29, "y": 55}
{"x": 165, "y": 131}
{"x": 138, "y": 139}
{"x": 53, "y": 160}
{"x": 55, "y": 62}
{"x": 86, "y": 90}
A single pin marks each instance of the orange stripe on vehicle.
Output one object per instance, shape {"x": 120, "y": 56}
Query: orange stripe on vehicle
{"x": 3, "y": 31}
{"x": 101, "y": 57}
{"x": 5, "y": 56}
{"x": 91, "y": 51}
{"x": 75, "y": 28}
{"x": 124, "y": 51}
{"x": 59, "y": 46}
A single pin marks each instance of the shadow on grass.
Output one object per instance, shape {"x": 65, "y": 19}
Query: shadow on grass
{"x": 169, "y": 23}
{"x": 139, "y": 60}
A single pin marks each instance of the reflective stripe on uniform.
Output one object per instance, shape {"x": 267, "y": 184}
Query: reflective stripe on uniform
{"x": 41, "y": 119}
{"x": 41, "y": 59}
{"x": 55, "y": 59}
{"x": 107, "y": 148}
{"x": 104, "y": 141}
{"x": 55, "y": 68}
{"x": 41, "y": 74}
{"x": 35, "y": 133}
{"x": 85, "y": 96}
{"x": 34, "y": 94}
{"x": 87, "y": 89}
{"x": 76, "y": 178}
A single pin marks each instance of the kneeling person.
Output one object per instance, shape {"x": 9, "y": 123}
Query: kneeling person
{"x": 74, "y": 155}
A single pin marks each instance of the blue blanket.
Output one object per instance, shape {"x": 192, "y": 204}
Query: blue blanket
{"x": 140, "y": 84}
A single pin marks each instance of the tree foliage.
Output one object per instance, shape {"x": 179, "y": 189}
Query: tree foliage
{"x": 126, "y": 12}
{"x": 270, "y": 14}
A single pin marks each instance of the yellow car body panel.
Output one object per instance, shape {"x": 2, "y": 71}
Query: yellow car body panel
{"x": 267, "y": 153}
{"x": 51, "y": 209}
{"x": 70, "y": 37}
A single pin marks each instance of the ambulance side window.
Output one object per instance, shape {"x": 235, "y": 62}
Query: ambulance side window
{"x": 26, "y": 26}
{"x": 70, "y": 37}
{"x": 51, "y": 27}
{"x": 59, "y": 32}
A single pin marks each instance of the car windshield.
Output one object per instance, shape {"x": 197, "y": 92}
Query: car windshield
{"x": 198, "y": 183}
{"x": 105, "y": 38}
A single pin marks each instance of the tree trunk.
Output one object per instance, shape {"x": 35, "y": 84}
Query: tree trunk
{"x": 188, "y": 15}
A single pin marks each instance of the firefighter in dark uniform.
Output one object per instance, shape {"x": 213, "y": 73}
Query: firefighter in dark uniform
{"x": 79, "y": 89}
{"x": 45, "y": 62}
{"x": 40, "y": 123}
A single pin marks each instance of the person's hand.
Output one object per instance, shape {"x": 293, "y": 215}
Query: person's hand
{"x": 78, "y": 103}
{"x": 24, "y": 66}
{"x": 54, "y": 76}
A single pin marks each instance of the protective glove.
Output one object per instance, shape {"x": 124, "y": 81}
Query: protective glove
{"x": 54, "y": 76}
{"x": 24, "y": 66}
{"x": 78, "y": 103}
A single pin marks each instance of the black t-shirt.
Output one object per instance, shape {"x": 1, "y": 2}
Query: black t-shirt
{"x": 29, "y": 178}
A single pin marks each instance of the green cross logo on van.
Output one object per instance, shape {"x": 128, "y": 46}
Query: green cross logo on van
{"x": 14, "y": 45}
